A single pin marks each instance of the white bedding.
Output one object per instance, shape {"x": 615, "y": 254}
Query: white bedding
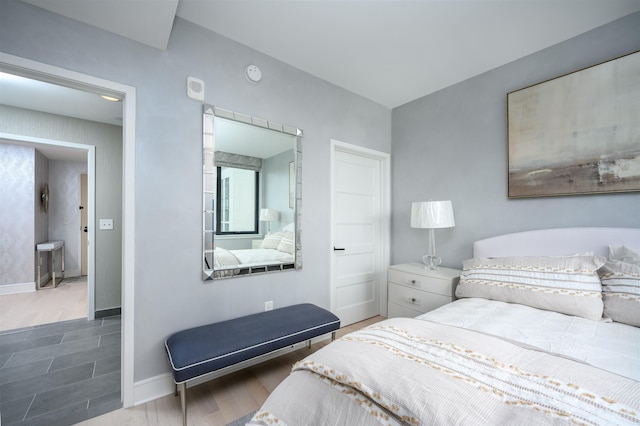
{"x": 476, "y": 361}
{"x": 594, "y": 342}
{"x": 229, "y": 263}
{"x": 419, "y": 371}
{"x": 261, "y": 256}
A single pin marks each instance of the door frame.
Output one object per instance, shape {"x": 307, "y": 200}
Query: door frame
{"x": 385, "y": 225}
{"x": 56, "y": 75}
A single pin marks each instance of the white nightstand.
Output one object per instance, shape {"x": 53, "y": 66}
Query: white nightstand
{"x": 415, "y": 290}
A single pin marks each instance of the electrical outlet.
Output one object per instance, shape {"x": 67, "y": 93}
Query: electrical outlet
{"x": 268, "y": 305}
{"x": 106, "y": 224}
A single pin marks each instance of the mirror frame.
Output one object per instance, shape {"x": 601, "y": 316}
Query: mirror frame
{"x": 209, "y": 189}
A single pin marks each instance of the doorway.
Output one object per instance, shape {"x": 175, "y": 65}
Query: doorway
{"x": 64, "y": 77}
{"x": 60, "y": 164}
{"x": 359, "y": 232}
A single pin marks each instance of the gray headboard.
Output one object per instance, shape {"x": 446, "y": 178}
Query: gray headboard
{"x": 557, "y": 242}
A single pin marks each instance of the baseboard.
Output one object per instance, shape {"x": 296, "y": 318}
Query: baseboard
{"x": 72, "y": 273}
{"x": 162, "y": 385}
{"x": 107, "y": 312}
{"x": 150, "y": 389}
{"x": 17, "y": 288}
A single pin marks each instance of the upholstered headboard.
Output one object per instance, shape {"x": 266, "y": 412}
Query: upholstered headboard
{"x": 557, "y": 242}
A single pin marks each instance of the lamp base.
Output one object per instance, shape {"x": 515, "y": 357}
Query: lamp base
{"x": 431, "y": 262}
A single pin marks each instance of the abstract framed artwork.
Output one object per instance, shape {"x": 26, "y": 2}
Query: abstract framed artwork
{"x": 578, "y": 133}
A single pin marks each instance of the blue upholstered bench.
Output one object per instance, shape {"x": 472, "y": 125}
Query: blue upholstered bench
{"x": 202, "y": 350}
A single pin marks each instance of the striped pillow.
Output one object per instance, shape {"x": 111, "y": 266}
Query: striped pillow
{"x": 621, "y": 292}
{"x": 272, "y": 241}
{"x": 287, "y": 243}
{"x": 569, "y": 285}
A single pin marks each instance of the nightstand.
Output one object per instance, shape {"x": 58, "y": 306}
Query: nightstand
{"x": 415, "y": 290}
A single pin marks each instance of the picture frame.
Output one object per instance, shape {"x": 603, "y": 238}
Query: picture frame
{"x": 578, "y": 133}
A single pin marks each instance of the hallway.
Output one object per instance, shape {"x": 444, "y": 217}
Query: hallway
{"x": 66, "y": 302}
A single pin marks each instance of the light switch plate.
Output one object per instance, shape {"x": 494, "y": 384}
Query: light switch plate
{"x": 106, "y": 224}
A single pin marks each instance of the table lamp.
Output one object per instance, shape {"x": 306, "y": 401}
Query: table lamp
{"x": 431, "y": 215}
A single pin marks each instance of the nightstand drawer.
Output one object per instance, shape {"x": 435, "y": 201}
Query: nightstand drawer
{"x": 421, "y": 282}
{"x": 417, "y": 300}
{"x": 396, "y": 311}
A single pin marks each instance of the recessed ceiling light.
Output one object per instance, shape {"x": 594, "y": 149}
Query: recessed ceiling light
{"x": 110, "y": 98}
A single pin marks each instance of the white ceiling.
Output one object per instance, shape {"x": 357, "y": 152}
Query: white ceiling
{"x": 38, "y": 95}
{"x": 389, "y": 51}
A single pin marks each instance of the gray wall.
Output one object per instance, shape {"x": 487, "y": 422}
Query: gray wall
{"x": 169, "y": 292}
{"x": 451, "y": 145}
{"x": 108, "y": 142}
{"x": 18, "y": 211}
{"x": 275, "y": 173}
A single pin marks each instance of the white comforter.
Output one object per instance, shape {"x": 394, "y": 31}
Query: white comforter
{"x": 608, "y": 345}
{"x": 412, "y": 371}
{"x": 249, "y": 257}
{"x": 231, "y": 262}
{"x": 261, "y": 256}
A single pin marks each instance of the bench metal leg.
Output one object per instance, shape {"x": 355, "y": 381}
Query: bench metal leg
{"x": 333, "y": 336}
{"x": 183, "y": 401}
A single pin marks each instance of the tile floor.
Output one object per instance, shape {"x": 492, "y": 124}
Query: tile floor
{"x": 60, "y": 373}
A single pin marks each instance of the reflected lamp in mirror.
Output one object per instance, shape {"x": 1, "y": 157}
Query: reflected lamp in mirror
{"x": 269, "y": 215}
{"x": 432, "y": 215}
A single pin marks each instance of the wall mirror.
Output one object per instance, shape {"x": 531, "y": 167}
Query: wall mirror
{"x": 251, "y": 195}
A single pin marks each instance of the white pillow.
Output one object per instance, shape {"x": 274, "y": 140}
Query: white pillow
{"x": 621, "y": 291}
{"x": 624, "y": 254}
{"x": 287, "y": 244}
{"x": 272, "y": 241}
{"x": 565, "y": 284}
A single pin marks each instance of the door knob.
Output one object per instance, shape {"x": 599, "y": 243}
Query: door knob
{"x": 86, "y": 229}
{"x": 338, "y": 249}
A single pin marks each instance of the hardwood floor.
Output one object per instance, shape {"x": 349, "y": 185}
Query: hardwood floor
{"x": 219, "y": 401}
{"x": 66, "y": 302}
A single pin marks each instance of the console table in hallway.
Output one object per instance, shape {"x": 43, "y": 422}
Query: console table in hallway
{"x": 50, "y": 246}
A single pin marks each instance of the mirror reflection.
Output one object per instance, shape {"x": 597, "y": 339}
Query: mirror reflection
{"x": 251, "y": 195}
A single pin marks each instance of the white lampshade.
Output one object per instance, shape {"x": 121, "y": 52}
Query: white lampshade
{"x": 269, "y": 215}
{"x": 432, "y": 214}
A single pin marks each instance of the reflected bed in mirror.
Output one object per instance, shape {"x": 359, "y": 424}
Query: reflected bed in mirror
{"x": 251, "y": 195}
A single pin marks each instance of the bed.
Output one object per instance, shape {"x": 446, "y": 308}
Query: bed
{"x": 545, "y": 330}
{"x": 276, "y": 252}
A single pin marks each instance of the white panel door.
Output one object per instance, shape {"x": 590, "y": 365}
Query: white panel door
{"x": 358, "y": 235}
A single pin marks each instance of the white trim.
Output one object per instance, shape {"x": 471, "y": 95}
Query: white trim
{"x": 91, "y": 219}
{"x": 17, "y": 288}
{"x": 128, "y": 243}
{"x": 71, "y": 273}
{"x": 86, "y": 82}
{"x": 385, "y": 162}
